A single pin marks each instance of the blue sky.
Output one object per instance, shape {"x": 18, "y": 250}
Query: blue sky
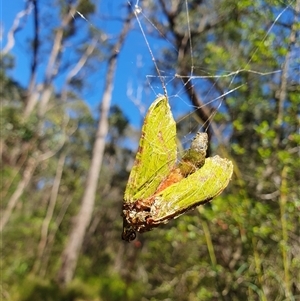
{"x": 128, "y": 74}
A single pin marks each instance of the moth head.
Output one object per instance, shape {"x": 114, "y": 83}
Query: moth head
{"x": 128, "y": 233}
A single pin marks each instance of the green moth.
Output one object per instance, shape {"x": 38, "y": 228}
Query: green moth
{"x": 160, "y": 187}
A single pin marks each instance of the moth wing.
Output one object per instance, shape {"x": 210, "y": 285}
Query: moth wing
{"x": 198, "y": 188}
{"x": 156, "y": 154}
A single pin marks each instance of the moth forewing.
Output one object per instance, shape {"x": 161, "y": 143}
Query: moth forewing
{"x": 156, "y": 154}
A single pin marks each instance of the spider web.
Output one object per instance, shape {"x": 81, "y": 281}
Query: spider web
{"x": 168, "y": 83}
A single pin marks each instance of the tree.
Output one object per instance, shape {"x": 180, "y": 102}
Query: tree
{"x": 83, "y": 218}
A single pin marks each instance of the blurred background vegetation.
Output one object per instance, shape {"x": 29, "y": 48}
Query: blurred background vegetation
{"x": 63, "y": 171}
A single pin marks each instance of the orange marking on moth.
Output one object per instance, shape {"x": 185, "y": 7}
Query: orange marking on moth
{"x": 137, "y": 159}
{"x": 174, "y": 176}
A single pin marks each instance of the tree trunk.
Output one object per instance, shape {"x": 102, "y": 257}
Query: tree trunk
{"x": 44, "y": 93}
{"x": 83, "y": 218}
{"x": 50, "y": 211}
{"x": 27, "y": 175}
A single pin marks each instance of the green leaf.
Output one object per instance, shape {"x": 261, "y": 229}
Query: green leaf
{"x": 158, "y": 188}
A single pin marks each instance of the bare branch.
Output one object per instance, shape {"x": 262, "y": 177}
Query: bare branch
{"x": 52, "y": 66}
{"x": 282, "y": 92}
{"x": 31, "y": 96}
{"x": 15, "y": 28}
{"x": 75, "y": 70}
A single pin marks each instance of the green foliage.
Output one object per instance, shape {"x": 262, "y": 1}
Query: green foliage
{"x": 37, "y": 289}
{"x": 115, "y": 288}
{"x": 14, "y": 128}
{"x": 95, "y": 289}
